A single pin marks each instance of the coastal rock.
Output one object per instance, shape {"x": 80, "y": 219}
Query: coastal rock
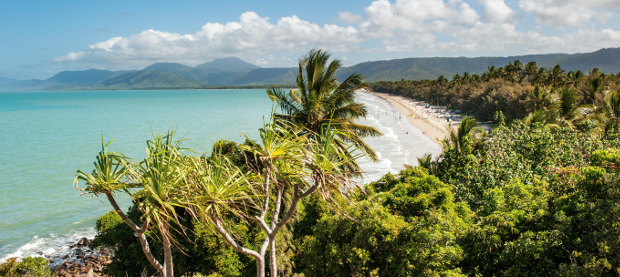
{"x": 84, "y": 261}
{"x": 84, "y": 242}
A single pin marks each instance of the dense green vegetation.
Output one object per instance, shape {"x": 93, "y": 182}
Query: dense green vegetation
{"x": 527, "y": 201}
{"x": 30, "y": 266}
{"x": 516, "y": 90}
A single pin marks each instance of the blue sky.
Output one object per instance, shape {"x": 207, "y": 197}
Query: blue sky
{"x": 42, "y": 38}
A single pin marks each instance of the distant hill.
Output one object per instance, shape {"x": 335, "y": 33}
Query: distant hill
{"x": 8, "y": 81}
{"x": 179, "y": 69}
{"x": 269, "y": 76}
{"x": 431, "y": 68}
{"x": 230, "y": 64}
{"x": 607, "y": 60}
{"x": 85, "y": 77}
{"x": 236, "y": 72}
{"x": 25, "y": 85}
{"x": 149, "y": 79}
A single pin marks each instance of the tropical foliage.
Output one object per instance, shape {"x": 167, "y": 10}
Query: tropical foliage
{"x": 320, "y": 101}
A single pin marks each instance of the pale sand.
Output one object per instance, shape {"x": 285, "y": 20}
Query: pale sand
{"x": 433, "y": 125}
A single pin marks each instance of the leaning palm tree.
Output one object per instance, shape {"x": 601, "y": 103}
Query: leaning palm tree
{"x": 158, "y": 176}
{"x": 319, "y": 99}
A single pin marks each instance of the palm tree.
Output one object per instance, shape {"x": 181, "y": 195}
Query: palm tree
{"x": 569, "y": 109}
{"x": 518, "y": 69}
{"x": 540, "y": 99}
{"x": 530, "y": 70}
{"x": 159, "y": 176}
{"x": 461, "y": 139}
{"x": 540, "y": 118}
{"x": 556, "y": 75}
{"x": 319, "y": 99}
{"x": 426, "y": 161}
{"x": 611, "y": 110}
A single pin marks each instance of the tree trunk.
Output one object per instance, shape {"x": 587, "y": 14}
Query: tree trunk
{"x": 273, "y": 266}
{"x": 168, "y": 265}
{"x": 260, "y": 267}
{"x": 141, "y": 236}
{"x": 149, "y": 255}
{"x": 260, "y": 260}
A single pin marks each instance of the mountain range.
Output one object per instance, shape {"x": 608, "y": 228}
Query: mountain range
{"x": 234, "y": 72}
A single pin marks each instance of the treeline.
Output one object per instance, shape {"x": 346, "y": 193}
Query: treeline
{"x": 511, "y": 89}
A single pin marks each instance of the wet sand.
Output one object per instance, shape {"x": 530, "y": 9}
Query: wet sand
{"x": 432, "y": 123}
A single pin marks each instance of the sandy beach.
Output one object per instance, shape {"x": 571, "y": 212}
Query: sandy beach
{"x": 433, "y": 122}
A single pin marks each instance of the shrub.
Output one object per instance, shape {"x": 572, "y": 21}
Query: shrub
{"x": 30, "y": 266}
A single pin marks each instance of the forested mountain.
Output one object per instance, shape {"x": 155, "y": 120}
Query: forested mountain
{"x": 607, "y": 60}
{"x": 236, "y": 72}
{"x": 268, "y": 76}
{"x": 178, "y": 69}
{"x": 231, "y": 64}
{"x": 147, "y": 79}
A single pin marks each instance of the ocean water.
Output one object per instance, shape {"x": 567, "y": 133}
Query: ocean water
{"x": 46, "y": 136}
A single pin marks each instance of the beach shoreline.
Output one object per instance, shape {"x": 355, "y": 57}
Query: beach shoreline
{"x": 434, "y": 123}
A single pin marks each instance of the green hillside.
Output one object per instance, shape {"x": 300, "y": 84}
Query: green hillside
{"x": 268, "y": 76}
{"x": 149, "y": 79}
{"x": 230, "y": 64}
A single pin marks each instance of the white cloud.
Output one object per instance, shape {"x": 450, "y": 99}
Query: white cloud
{"x": 559, "y": 13}
{"x": 496, "y": 11}
{"x": 250, "y": 37}
{"x": 401, "y": 28}
{"x": 349, "y": 18}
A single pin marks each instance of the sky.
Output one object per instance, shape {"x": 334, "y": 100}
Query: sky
{"x": 41, "y": 38}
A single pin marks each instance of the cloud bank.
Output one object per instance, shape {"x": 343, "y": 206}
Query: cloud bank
{"x": 401, "y": 28}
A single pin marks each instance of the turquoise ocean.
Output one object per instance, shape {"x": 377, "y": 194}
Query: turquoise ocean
{"x": 46, "y": 136}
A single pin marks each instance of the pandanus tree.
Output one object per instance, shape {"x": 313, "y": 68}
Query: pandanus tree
{"x": 320, "y": 99}
{"x": 284, "y": 161}
{"x": 159, "y": 176}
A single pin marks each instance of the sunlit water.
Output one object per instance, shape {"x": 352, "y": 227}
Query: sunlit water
{"x": 46, "y": 136}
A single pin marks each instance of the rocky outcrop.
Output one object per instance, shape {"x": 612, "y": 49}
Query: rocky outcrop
{"x": 84, "y": 261}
